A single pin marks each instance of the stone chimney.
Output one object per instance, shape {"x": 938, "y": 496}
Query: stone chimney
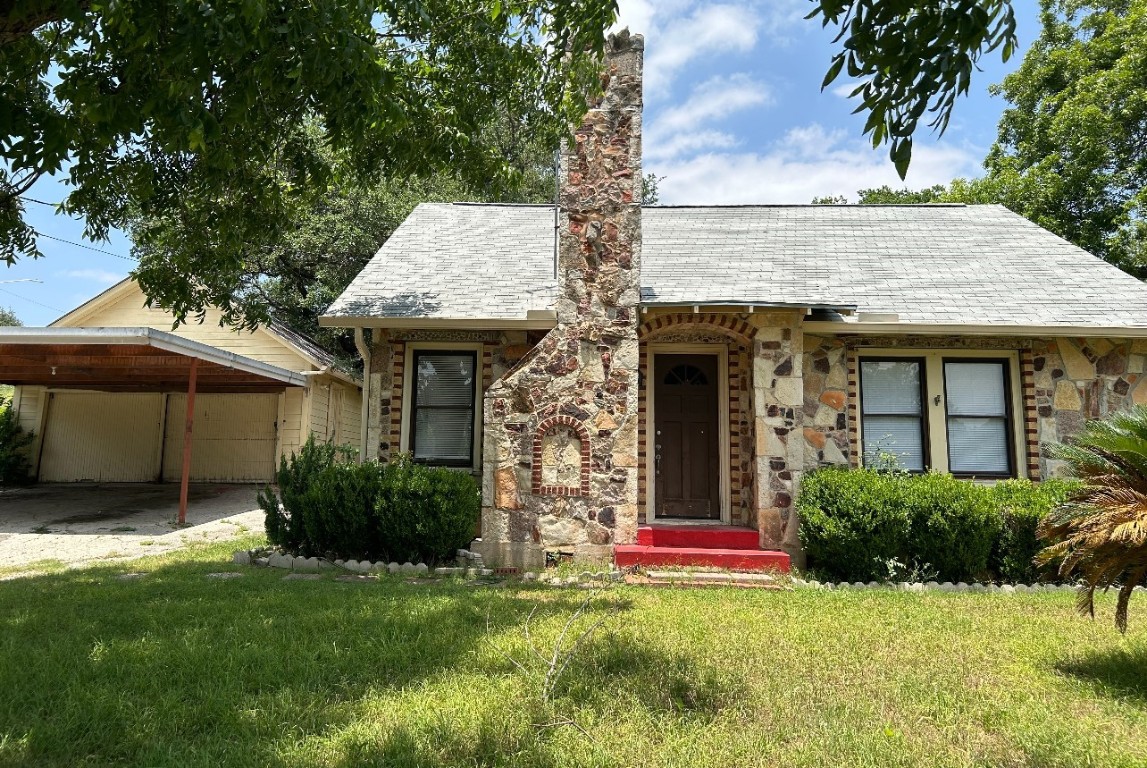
{"x": 560, "y": 450}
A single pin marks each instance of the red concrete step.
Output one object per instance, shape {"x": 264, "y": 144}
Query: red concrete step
{"x": 628, "y": 555}
{"x": 698, "y": 536}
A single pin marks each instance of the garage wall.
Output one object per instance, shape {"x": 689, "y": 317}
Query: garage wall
{"x": 102, "y": 437}
{"x": 234, "y": 438}
{"x": 334, "y": 411}
{"x": 28, "y": 403}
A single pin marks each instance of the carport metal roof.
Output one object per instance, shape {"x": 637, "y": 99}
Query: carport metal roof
{"x": 130, "y": 360}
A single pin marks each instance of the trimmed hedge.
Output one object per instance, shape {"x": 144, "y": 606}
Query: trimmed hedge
{"x": 400, "y": 511}
{"x": 864, "y": 525}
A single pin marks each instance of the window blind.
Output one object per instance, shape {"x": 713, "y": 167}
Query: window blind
{"x": 892, "y": 411}
{"x": 977, "y": 401}
{"x": 442, "y": 430}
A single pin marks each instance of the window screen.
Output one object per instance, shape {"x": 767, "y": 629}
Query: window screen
{"x": 977, "y": 417}
{"x": 442, "y": 423}
{"x": 892, "y": 411}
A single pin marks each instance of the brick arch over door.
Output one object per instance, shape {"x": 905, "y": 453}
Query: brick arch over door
{"x": 729, "y": 325}
{"x": 739, "y": 335}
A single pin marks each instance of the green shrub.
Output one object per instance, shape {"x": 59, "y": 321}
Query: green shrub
{"x": 852, "y": 522}
{"x": 863, "y": 525}
{"x": 15, "y": 467}
{"x": 330, "y": 507}
{"x": 1022, "y": 504}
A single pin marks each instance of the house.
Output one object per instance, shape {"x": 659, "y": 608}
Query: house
{"x": 649, "y": 385}
{"x": 105, "y": 389}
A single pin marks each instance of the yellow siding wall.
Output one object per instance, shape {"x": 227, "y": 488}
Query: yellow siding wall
{"x": 28, "y": 403}
{"x": 290, "y": 421}
{"x": 127, "y": 310}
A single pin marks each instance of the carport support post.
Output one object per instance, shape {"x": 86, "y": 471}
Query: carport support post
{"x": 186, "y": 476}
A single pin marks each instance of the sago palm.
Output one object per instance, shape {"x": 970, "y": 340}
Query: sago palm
{"x": 1100, "y": 534}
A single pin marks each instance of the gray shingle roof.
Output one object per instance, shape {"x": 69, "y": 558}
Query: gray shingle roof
{"x": 930, "y": 264}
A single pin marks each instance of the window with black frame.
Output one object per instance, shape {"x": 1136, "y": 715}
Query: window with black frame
{"x": 892, "y": 411}
{"x": 978, "y": 418}
{"x": 442, "y": 408}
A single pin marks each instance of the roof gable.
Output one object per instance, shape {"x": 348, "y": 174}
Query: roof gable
{"x": 124, "y": 306}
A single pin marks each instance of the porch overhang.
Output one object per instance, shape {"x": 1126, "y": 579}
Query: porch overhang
{"x": 130, "y": 360}
{"x": 853, "y": 328}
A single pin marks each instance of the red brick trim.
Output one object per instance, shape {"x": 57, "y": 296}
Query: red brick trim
{"x": 853, "y": 395}
{"x": 545, "y": 428}
{"x": 1031, "y": 414}
{"x": 397, "y": 386}
{"x": 725, "y": 323}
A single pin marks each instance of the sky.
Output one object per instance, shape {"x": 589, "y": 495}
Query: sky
{"x": 734, "y": 114}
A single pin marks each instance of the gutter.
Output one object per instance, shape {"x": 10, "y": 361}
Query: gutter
{"x": 152, "y": 338}
{"x": 973, "y": 329}
{"x": 535, "y": 320}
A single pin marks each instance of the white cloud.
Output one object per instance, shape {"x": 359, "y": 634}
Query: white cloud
{"x": 807, "y": 162}
{"x": 679, "y": 33}
{"x": 103, "y": 276}
{"x": 689, "y": 126}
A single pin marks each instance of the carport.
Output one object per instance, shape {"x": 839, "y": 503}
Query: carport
{"x": 135, "y": 360}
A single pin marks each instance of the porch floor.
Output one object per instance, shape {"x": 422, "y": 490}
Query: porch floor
{"x": 713, "y": 546}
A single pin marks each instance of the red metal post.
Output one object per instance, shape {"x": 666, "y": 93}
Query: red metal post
{"x": 186, "y": 477}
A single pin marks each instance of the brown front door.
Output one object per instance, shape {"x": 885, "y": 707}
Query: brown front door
{"x": 686, "y": 456}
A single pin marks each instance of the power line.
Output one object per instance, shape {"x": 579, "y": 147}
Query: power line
{"x": 41, "y": 202}
{"x": 89, "y": 247}
{"x": 31, "y": 301}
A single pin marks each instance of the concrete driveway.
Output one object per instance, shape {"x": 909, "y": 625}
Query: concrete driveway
{"x": 81, "y": 523}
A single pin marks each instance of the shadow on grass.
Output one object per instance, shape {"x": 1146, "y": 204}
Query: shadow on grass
{"x": 1114, "y": 671}
{"x": 663, "y": 681}
{"x": 178, "y": 669}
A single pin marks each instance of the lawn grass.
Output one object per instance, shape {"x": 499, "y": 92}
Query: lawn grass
{"x": 178, "y": 669}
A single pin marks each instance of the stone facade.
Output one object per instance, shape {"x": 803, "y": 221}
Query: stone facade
{"x": 582, "y": 378}
{"x": 500, "y": 351}
{"x": 1080, "y": 379}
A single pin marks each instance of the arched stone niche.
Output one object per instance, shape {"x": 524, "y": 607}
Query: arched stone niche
{"x": 561, "y": 458}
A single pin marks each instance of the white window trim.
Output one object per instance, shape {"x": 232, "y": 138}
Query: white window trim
{"x": 721, "y": 351}
{"x": 935, "y": 405}
{"x": 408, "y": 391}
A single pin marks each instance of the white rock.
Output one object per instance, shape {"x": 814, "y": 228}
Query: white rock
{"x": 343, "y": 563}
{"x": 485, "y": 571}
{"x": 932, "y": 585}
{"x": 961, "y": 586}
{"x": 262, "y": 562}
{"x": 241, "y": 557}
{"x": 1008, "y": 589}
{"x": 1022, "y": 589}
{"x": 378, "y": 567}
{"x": 529, "y": 576}
{"x": 393, "y": 567}
{"x": 422, "y": 569}
{"x": 449, "y": 571}
{"x": 874, "y": 585}
{"x": 947, "y": 586}
{"x": 977, "y": 587}
{"x": 306, "y": 564}
{"x": 279, "y": 560}
{"x": 858, "y": 585}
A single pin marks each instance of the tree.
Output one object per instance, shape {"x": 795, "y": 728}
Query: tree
{"x": 651, "y": 189}
{"x": 886, "y": 195}
{"x": 8, "y": 317}
{"x": 830, "y": 200}
{"x": 1070, "y": 154}
{"x": 1100, "y": 535}
{"x": 205, "y": 113}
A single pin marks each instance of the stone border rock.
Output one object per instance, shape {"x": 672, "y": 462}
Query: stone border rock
{"x": 947, "y": 586}
{"x": 470, "y": 564}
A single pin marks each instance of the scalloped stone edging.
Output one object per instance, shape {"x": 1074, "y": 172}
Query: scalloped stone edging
{"x": 474, "y": 567}
{"x": 947, "y": 586}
